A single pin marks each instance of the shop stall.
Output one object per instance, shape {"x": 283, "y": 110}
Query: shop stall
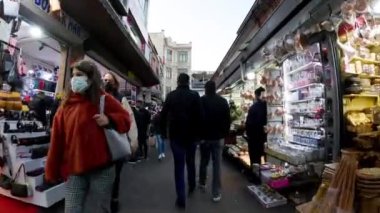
{"x": 350, "y": 184}
{"x": 300, "y": 73}
{"x": 30, "y": 66}
{"x": 37, "y": 47}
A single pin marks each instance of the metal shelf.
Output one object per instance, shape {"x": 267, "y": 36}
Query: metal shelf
{"x": 302, "y": 136}
{"x": 362, "y": 75}
{"x": 306, "y": 86}
{"x": 307, "y": 127}
{"x": 363, "y": 60}
{"x": 303, "y": 113}
{"x": 304, "y": 67}
{"x": 303, "y": 144}
{"x": 360, "y": 96}
{"x": 276, "y": 120}
{"x": 306, "y": 100}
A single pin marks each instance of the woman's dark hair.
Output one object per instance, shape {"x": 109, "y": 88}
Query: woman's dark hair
{"x": 94, "y": 90}
{"x": 117, "y": 83}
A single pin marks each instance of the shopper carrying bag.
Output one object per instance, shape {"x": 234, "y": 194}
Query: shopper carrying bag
{"x": 118, "y": 143}
{"x": 79, "y": 151}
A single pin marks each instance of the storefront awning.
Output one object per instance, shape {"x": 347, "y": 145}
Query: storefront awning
{"x": 102, "y": 22}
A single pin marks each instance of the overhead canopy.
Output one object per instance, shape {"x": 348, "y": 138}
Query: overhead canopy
{"x": 105, "y": 26}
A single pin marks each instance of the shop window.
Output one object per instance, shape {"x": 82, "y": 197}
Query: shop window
{"x": 169, "y": 73}
{"x": 168, "y": 90}
{"x": 182, "y": 56}
{"x": 169, "y": 55}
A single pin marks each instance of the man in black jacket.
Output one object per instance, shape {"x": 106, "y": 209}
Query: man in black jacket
{"x": 256, "y": 120}
{"x": 217, "y": 123}
{"x": 142, "y": 122}
{"x": 181, "y": 118}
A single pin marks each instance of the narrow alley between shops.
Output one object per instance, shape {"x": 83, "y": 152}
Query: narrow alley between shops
{"x": 148, "y": 187}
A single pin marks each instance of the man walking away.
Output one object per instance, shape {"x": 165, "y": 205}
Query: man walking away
{"x": 217, "y": 123}
{"x": 156, "y": 131}
{"x": 142, "y": 122}
{"x": 256, "y": 120}
{"x": 181, "y": 120}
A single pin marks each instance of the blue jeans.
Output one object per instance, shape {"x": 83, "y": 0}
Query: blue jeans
{"x": 213, "y": 149}
{"x": 160, "y": 144}
{"x": 183, "y": 154}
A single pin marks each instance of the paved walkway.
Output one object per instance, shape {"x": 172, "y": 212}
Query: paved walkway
{"x": 148, "y": 187}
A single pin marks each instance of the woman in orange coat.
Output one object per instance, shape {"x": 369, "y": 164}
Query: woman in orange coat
{"x": 78, "y": 151}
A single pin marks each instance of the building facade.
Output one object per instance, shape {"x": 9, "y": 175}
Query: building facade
{"x": 135, "y": 19}
{"x": 176, "y": 59}
{"x": 136, "y": 22}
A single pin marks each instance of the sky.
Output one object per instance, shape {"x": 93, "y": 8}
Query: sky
{"x": 211, "y": 26}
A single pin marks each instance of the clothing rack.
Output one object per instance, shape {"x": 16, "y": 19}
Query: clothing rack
{"x": 10, "y": 45}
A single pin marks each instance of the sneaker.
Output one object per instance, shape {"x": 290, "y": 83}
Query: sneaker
{"x": 132, "y": 161}
{"x": 217, "y": 198}
{"x": 202, "y": 187}
{"x": 163, "y": 155}
{"x": 180, "y": 205}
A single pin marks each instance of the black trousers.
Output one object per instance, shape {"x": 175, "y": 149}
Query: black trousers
{"x": 256, "y": 148}
{"x": 116, "y": 184}
{"x": 143, "y": 147}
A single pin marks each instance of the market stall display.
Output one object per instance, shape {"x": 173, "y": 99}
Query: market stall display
{"x": 23, "y": 151}
{"x": 267, "y": 196}
{"x": 272, "y": 79}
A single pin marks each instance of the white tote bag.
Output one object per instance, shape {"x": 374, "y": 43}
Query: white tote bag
{"x": 11, "y": 7}
{"x": 118, "y": 143}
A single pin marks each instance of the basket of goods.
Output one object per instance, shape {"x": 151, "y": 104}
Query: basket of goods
{"x": 10, "y": 100}
{"x": 368, "y": 182}
{"x": 367, "y": 141}
{"x": 358, "y": 122}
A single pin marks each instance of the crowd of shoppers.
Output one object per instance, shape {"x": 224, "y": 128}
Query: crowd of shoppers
{"x": 79, "y": 153}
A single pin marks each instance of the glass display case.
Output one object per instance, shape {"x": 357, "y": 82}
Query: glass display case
{"x": 306, "y": 115}
{"x": 305, "y": 98}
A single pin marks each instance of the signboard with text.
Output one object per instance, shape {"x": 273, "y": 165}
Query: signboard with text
{"x": 69, "y": 23}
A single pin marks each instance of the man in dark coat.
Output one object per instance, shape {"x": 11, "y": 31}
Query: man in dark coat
{"x": 142, "y": 117}
{"x": 256, "y": 120}
{"x": 181, "y": 124}
{"x": 217, "y": 121}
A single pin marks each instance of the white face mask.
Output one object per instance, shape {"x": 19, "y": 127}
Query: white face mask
{"x": 79, "y": 84}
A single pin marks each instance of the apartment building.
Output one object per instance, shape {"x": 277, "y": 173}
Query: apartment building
{"x": 176, "y": 59}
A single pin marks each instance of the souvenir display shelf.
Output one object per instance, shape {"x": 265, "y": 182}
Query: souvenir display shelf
{"x": 16, "y": 154}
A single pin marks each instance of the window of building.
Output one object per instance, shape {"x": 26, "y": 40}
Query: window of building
{"x": 182, "y": 70}
{"x": 182, "y": 56}
{"x": 169, "y": 73}
{"x": 169, "y": 55}
{"x": 168, "y": 90}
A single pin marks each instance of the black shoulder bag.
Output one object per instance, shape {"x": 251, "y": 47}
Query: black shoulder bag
{"x": 18, "y": 189}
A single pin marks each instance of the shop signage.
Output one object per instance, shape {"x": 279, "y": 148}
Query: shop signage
{"x": 72, "y": 26}
{"x": 43, "y": 5}
{"x": 69, "y": 23}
